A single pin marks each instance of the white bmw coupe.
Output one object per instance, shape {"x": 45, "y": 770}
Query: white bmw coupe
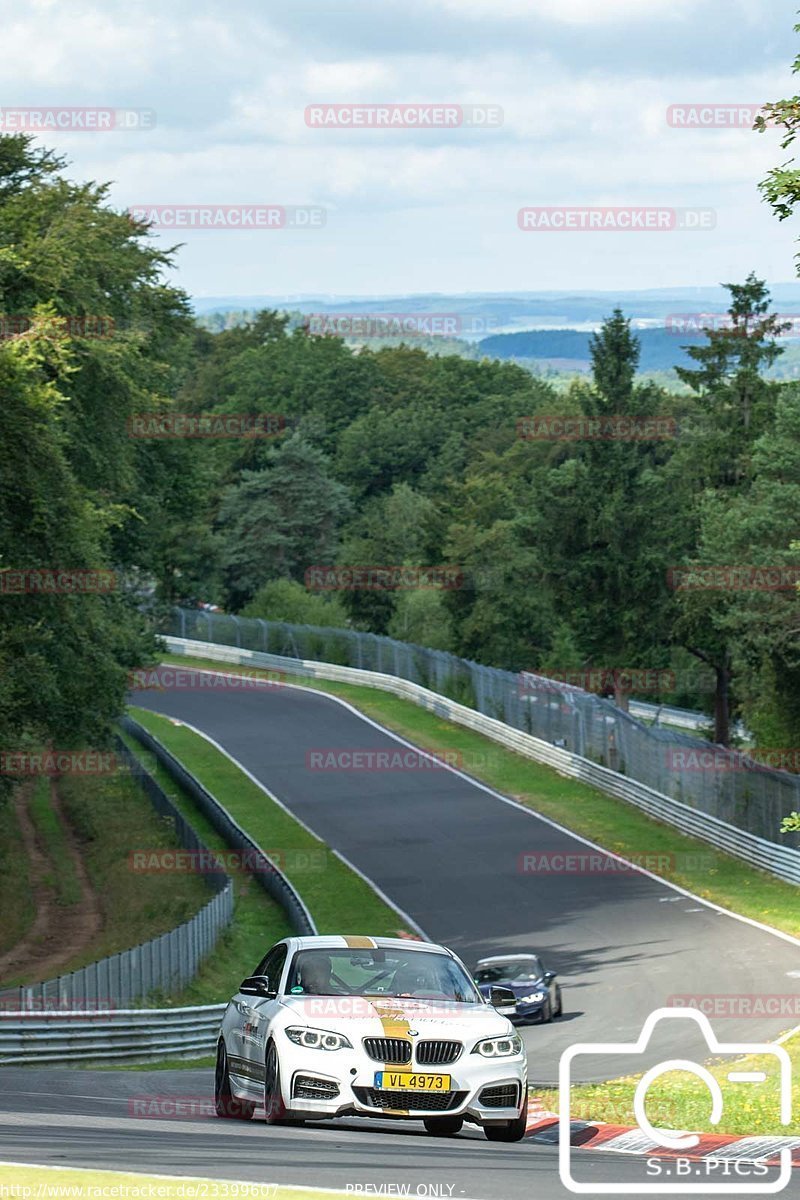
{"x": 381, "y": 1027}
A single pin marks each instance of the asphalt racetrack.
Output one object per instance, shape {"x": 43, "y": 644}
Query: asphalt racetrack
{"x": 447, "y": 852}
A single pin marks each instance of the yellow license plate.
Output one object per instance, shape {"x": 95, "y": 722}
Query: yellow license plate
{"x": 407, "y": 1081}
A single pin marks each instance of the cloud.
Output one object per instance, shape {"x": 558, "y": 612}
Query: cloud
{"x": 584, "y": 88}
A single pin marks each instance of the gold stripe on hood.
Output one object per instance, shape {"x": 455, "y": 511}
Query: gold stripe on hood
{"x": 360, "y": 943}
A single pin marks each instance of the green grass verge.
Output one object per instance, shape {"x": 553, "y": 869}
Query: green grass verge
{"x": 166, "y": 1064}
{"x": 62, "y": 878}
{"x": 339, "y": 900}
{"x": 681, "y": 1101}
{"x": 16, "y": 899}
{"x": 611, "y": 823}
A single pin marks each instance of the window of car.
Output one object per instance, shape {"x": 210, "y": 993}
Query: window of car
{"x": 272, "y": 965}
{"x": 378, "y": 972}
{"x": 526, "y": 969}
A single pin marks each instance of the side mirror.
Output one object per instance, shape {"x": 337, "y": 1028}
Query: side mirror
{"x": 549, "y": 976}
{"x": 503, "y": 999}
{"x": 256, "y": 985}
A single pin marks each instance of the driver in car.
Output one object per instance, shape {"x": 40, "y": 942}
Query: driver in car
{"x": 316, "y": 976}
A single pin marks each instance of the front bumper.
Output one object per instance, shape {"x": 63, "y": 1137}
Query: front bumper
{"x": 529, "y": 1014}
{"x": 312, "y": 1074}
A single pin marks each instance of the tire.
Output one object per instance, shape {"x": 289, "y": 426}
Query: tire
{"x": 225, "y": 1103}
{"x": 547, "y": 1013}
{"x": 275, "y": 1111}
{"x": 443, "y": 1126}
{"x": 512, "y": 1131}
{"x": 560, "y": 1004}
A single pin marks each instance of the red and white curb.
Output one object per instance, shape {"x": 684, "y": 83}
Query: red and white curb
{"x": 626, "y": 1139}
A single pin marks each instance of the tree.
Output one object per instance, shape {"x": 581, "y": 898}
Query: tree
{"x": 615, "y": 357}
{"x": 760, "y": 626}
{"x": 605, "y": 518}
{"x": 422, "y": 618}
{"x": 401, "y": 527}
{"x": 287, "y": 600}
{"x": 735, "y": 406}
{"x": 781, "y": 186}
{"x": 279, "y": 522}
{"x": 70, "y": 478}
{"x": 64, "y": 657}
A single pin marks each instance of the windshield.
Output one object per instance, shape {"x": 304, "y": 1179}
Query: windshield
{"x": 377, "y": 972}
{"x": 522, "y": 969}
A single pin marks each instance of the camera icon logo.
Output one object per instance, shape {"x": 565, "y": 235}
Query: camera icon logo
{"x": 674, "y": 1140}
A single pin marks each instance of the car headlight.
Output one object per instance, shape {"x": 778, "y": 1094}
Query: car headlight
{"x": 534, "y": 998}
{"x": 317, "y": 1039}
{"x": 501, "y": 1047}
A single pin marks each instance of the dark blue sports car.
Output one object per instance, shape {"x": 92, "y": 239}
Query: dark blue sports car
{"x": 538, "y": 995}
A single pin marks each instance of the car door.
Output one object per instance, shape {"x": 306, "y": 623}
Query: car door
{"x": 255, "y": 1014}
{"x": 549, "y": 984}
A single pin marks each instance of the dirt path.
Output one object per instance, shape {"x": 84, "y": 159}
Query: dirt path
{"x": 58, "y": 932}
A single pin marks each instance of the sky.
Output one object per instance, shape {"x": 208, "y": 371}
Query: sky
{"x": 576, "y": 95}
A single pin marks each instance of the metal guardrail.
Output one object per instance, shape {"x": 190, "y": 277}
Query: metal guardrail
{"x": 162, "y": 964}
{"x": 683, "y": 718}
{"x": 726, "y": 784}
{"x": 271, "y": 878}
{"x": 74, "y": 1018}
{"x": 113, "y": 1035}
{"x": 782, "y": 861}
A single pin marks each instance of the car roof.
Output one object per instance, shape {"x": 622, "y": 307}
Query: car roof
{"x": 497, "y": 958}
{"x": 363, "y": 942}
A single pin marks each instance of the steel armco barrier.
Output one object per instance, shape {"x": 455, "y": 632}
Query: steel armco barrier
{"x": 273, "y": 881}
{"x": 116, "y": 1035}
{"x": 780, "y": 860}
{"x": 49, "y": 1030}
{"x": 162, "y": 964}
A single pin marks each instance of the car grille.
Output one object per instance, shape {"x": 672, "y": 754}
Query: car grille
{"x": 438, "y": 1051}
{"x": 409, "y": 1101}
{"x": 505, "y": 1095}
{"x": 308, "y": 1087}
{"x": 388, "y": 1050}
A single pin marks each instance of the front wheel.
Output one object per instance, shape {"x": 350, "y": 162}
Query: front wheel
{"x": 225, "y": 1103}
{"x": 512, "y": 1131}
{"x": 275, "y": 1111}
{"x": 443, "y": 1126}
{"x": 559, "y": 1003}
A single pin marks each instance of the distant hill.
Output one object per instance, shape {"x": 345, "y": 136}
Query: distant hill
{"x": 482, "y": 314}
{"x": 661, "y": 349}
